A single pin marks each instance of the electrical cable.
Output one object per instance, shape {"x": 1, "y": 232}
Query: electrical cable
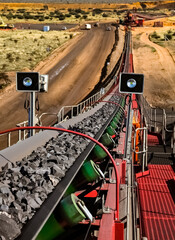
{"x": 26, "y": 103}
{"x": 37, "y": 106}
{"x": 89, "y": 227}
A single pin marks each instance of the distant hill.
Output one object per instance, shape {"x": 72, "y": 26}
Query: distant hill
{"x": 72, "y": 1}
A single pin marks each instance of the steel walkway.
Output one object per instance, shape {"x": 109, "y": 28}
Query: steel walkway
{"x": 157, "y": 209}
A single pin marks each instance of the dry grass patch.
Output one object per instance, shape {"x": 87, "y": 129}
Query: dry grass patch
{"x": 137, "y": 44}
{"x": 24, "y": 49}
{"x": 165, "y": 38}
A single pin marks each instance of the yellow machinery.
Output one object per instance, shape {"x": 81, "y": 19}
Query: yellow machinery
{"x": 3, "y": 25}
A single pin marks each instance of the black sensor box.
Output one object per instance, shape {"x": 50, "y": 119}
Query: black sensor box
{"x": 27, "y": 81}
{"x": 131, "y": 83}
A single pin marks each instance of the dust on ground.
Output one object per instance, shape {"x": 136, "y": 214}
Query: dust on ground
{"x": 158, "y": 67}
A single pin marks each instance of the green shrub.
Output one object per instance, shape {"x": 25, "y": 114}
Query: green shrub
{"x": 9, "y": 16}
{"x": 57, "y": 12}
{"x": 62, "y": 17}
{"x": 68, "y": 15}
{"x": 155, "y": 35}
{"x": 41, "y": 18}
{"x": 9, "y": 57}
{"x": 20, "y": 17}
{"x": 22, "y": 10}
{"x": 17, "y": 58}
{"x": 169, "y": 31}
{"x": 143, "y": 5}
{"x": 97, "y": 11}
{"x": 45, "y": 7}
{"x": 169, "y": 36}
{"x": 77, "y": 15}
{"x": 26, "y": 15}
{"x": 104, "y": 15}
{"x": 42, "y": 37}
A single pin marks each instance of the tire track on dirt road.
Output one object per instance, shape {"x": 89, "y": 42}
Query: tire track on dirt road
{"x": 166, "y": 60}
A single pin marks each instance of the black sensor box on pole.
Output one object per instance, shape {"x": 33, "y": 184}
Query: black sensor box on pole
{"x": 131, "y": 83}
{"x": 27, "y": 81}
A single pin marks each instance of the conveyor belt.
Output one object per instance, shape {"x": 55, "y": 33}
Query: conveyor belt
{"x": 32, "y": 228}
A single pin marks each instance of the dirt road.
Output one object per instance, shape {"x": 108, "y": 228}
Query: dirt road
{"x": 73, "y": 72}
{"x": 158, "y": 66}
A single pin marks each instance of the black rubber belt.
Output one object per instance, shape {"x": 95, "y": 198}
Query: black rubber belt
{"x": 34, "y": 226}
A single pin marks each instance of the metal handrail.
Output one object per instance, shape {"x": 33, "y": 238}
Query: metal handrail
{"x": 145, "y": 146}
{"x": 44, "y": 114}
{"x": 85, "y": 105}
{"x": 173, "y": 140}
{"x": 25, "y": 134}
{"x": 81, "y": 107}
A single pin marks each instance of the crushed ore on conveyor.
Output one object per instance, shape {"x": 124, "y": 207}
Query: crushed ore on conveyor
{"x": 25, "y": 185}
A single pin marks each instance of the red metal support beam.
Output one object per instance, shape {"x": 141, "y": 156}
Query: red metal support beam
{"x": 110, "y": 226}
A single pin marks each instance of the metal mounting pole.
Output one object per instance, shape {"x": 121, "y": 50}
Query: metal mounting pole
{"x": 32, "y": 113}
{"x": 128, "y": 127}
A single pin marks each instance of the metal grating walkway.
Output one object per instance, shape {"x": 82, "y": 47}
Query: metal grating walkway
{"x": 157, "y": 203}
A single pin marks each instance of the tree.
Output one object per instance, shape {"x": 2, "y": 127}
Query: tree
{"x": 97, "y": 11}
{"x": 143, "y": 5}
{"x": 61, "y": 17}
{"x": 104, "y": 15}
{"x": 45, "y": 7}
{"x": 77, "y": 15}
{"x": 9, "y": 16}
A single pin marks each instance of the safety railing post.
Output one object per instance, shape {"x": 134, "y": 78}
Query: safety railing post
{"x": 151, "y": 117}
{"x": 72, "y": 112}
{"x": 146, "y": 145}
{"x": 155, "y": 119}
{"x": 77, "y": 109}
{"x": 173, "y": 140}
{"x": 24, "y": 132}
{"x": 80, "y": 108}
{"x": 19, "y": 135}
{"x": 144, "y": 150}
{"x": 9, "y": 139}
{"x": 62, "y": 115}
{"x": 163, "y": 127}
